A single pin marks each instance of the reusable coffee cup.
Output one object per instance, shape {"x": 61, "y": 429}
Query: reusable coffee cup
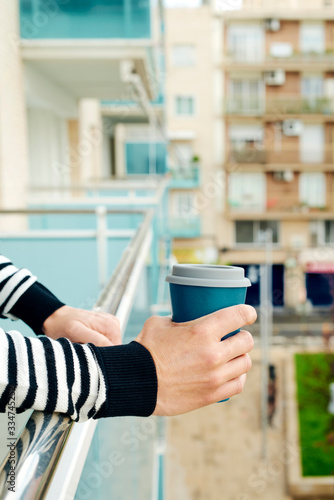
{"x": 198, "y": 289}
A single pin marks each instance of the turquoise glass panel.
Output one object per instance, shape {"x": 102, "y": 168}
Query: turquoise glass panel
{"x": 85, "y": 19}
{"x": 122, "y": 462}
{"x": 145, "y": 158}
{"x": 187, "y": 227}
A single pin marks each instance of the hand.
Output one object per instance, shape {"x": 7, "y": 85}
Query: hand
{"x": 82, "y": 326}
{"x": 194, "y": 367}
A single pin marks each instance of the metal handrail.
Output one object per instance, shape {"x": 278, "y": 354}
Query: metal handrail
{"x": 137, "y": 184}
{"x": 38, "y": 457}
{"x": 84, "y": 211}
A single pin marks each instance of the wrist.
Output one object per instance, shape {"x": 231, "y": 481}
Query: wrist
{"x": 52, "y": 320}
{"x": 35, "y": 306}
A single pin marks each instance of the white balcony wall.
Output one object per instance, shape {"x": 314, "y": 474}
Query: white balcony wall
{"x": 13, "y": 136}
{"x": 48, "y": 148}
{"x": 90, "y": 147}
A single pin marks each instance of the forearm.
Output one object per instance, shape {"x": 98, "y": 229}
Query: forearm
{"x": 22, "y": 297}
{"x": 83, "y": 381}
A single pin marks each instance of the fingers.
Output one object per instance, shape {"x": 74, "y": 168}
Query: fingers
{"x": 107, "y": 325}
{"x": 231, "y": 388}
{"x": 87, "y": 335}
{"x": 228, "y": 320}
{"x": 220, "y": 379}
{"x": 237, "y": 367}
{"x": 235, "y": 346}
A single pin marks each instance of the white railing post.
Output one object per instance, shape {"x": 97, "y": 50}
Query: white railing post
{"x": 102, "y": 242}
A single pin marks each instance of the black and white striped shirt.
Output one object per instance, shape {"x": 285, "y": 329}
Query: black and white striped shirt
{"x": 83, "y": 381}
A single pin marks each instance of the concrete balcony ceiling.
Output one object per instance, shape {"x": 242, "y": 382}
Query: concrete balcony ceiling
{"x": 90, "y": 68}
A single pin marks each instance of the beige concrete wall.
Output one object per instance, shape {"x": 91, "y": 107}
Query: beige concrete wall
{"x": 13, "y": 126}
{"x": 282, "y": 196}
{"x": 194, "y": 26}
{"x": 282, "y": 4}
{"x": 295, "y": 234}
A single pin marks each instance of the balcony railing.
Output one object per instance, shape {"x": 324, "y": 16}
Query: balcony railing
{"x": 282, "y": 105}
{"x": 248, "y": 155}
{"x": 79, "y": 19}
{"x": 185, "y": 227}
{"x": 296, "y": 105}
{"x": 285, "y": 201}
{"x": 187, "y": 177}
{"x": 57, "y": 458}
{"x": 252, "y": 106}
{"x": 285, "y": 156}
{"x": 251, "y": 58}
{"x": 286, "y": 4}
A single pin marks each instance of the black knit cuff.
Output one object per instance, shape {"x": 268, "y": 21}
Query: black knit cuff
{"x": 35, "y": 306}
{"x": 132, "y": 383}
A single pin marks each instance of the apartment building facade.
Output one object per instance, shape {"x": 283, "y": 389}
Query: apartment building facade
{"x": 193, "y": 46}
{"x": 269, "y": 93}
{"x": 279, "y": 116}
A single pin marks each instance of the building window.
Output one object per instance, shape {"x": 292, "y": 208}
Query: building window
{"x": 312, "y": 86}
{"x": 184, "y": 105}
{"x": 246, "y": 143}
{"x": 329, "y": 231}
{"x": 322, "y": 232}
{"x": 183, "y": 205}
{"x": 312, "y": 189}
{"x": 249, "y": 232}
{"x": 181, "y": 154}
{"x": 312, "y": 90}
{"x": 246, "y": 96}
{"x": 183, "y": 55}
{"x": 312, "y": 37}
{"x": 247, "y": 191}
{"x": 312, "y": 142}
{"x": 246, "y": 42}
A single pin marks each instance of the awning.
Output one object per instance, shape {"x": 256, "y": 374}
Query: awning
{"x": 318, "y": 260}
{"x": 320, "y": 267}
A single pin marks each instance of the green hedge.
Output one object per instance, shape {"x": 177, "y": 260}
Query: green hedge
{"x": 314, "y": 373}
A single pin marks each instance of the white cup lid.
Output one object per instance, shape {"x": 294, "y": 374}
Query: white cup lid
{"x": 208, "y": 275}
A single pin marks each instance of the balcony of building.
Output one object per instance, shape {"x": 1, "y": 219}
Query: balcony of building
{"x": 109, "y": 252}
{"x": 93, "y": 48}
{"x": 283, "y": 159}
{"x": 297, "y": 61}
{"x": 280, "y": 195}
{"x": 184, "y": 227}
{"x": 287, "y": 9}
{"x": 185, "y": 176}
{"x": 284, "y": 105}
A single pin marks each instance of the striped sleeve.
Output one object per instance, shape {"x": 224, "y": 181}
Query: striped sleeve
{"x": 22, "y": 297}
{"x": 82, "y": 381}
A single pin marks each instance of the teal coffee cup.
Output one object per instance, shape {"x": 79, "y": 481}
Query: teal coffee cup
{"x": 197, "y": 290}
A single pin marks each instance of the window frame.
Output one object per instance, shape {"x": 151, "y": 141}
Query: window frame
{"x": 256, "y": 229}
{"x": 194, "y": 104}
{"x": 303, "y": 31}
{"x": 306, "y": 199}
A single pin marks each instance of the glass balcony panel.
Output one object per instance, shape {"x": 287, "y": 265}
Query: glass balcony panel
{"x": 121, "y": 462}
{"x": 186, "y": 227}
{"x": 248, "y": 155}
{"x": 145, "y": 158}
{"x": 85, "y": 19}
{"x": 185, "y": 177}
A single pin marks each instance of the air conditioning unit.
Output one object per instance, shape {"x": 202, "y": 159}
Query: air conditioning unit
{"x": 276, "y": 77}
{"x": 284, "y": 176}
{"x": 292, "y": 128}
{"x": 273, "y": 25}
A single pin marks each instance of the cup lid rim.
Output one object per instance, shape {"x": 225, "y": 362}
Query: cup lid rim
{"x": 208, "y": 275}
